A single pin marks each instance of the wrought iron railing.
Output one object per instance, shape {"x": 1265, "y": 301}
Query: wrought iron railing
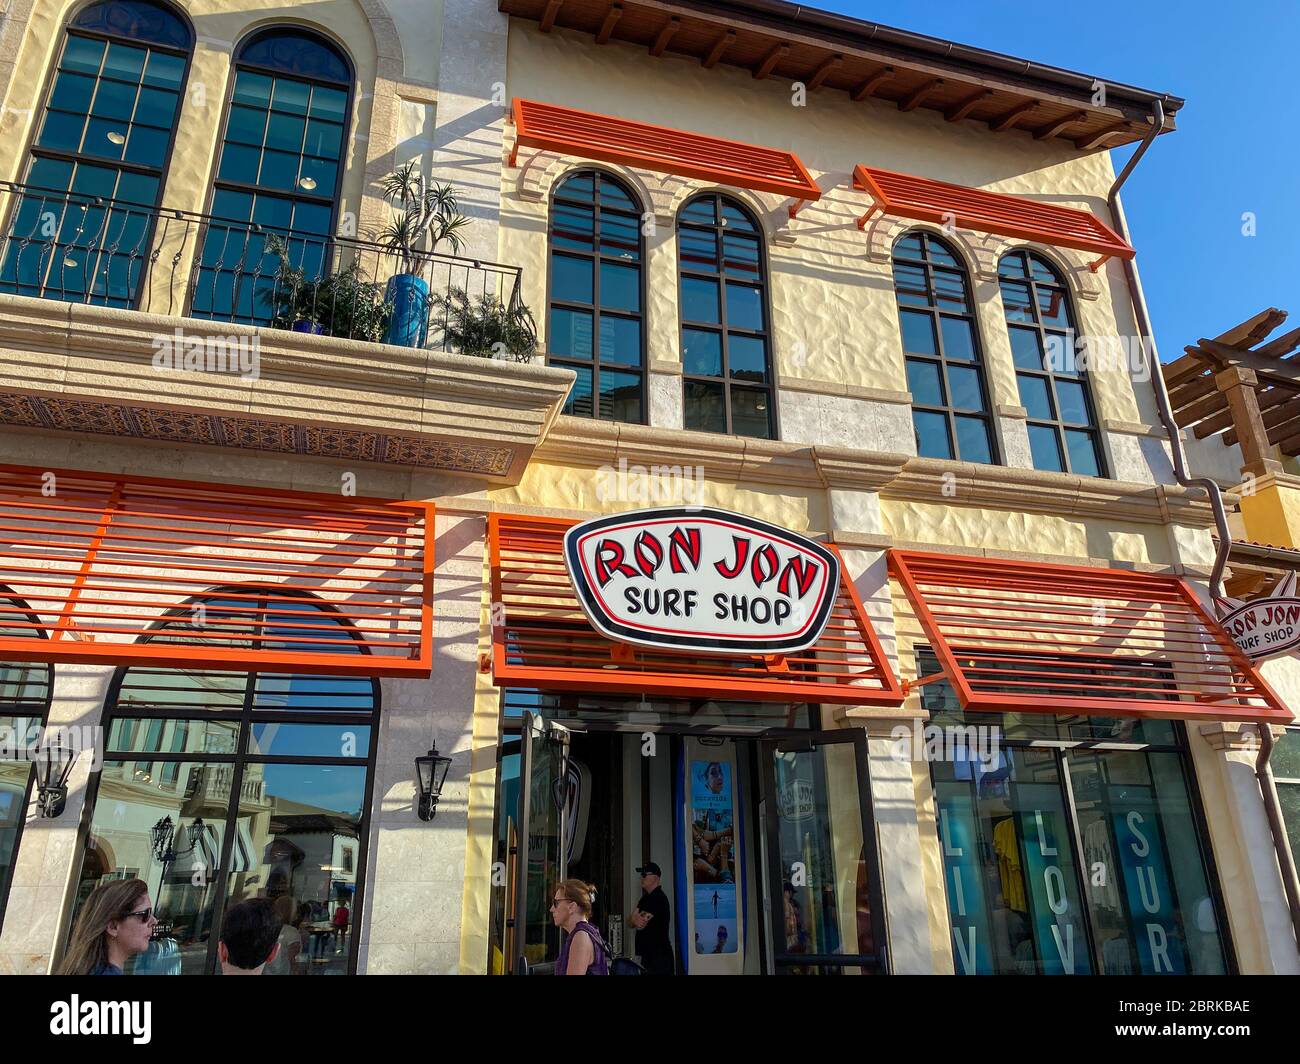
{"x": 87, "y": 249}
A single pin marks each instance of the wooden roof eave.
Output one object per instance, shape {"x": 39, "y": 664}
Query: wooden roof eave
{"x": 713, "y": 33}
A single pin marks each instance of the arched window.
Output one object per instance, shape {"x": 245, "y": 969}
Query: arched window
{"x": 726, "y": 327}
{"x": 945, "y": 372}
{"x": 597, "y": 292}
{"x": 1054, "y": 390}
{"x": 81, "y": 232}
{"x": 279, "y": 171}
{"x": 25, "y": 692}
{"x": 221, "y": 786}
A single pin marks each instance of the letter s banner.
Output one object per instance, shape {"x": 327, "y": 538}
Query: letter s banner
{"x": 723, "y": 583}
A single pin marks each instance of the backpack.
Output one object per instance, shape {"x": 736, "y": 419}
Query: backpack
{"x": 619, "y": 965}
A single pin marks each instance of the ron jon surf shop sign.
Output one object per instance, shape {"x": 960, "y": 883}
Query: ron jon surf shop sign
{"x": 703, "y": 580}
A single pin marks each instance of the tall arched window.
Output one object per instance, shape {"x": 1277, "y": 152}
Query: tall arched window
{"x": 1053, "y": 388}
{"x": 25, "y": 692}
{"x": 726, "y": 326}
{"x": 279, "y": 171}
{"x": 945, "y": 372}
{"x": 221, "y": 786}
{"x": 597, "y": 292}
{"x": 81, "y": 231}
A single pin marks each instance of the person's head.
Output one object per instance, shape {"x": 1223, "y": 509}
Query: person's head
{"x": 571, "y": 901}
{"x": 115, "y": 923}
{"x": 651, "y": 875}
{"x": 250, "y": 937}
{"x": 722, "y": 932}
{"x": 714, "y": 777}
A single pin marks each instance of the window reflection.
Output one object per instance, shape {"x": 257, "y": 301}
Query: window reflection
{"x": 196, "y": 799}
{"x": 725, "y": 335}
{"x": 937, "y": 324}
{"x": 595, "y": 296}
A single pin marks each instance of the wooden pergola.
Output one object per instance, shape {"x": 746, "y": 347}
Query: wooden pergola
{"x": 1243, "y": 388}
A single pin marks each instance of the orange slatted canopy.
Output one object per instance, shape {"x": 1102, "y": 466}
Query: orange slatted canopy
{"x": 1030, "y": 637}
{"x": 659, "y": 148}
{"x": 541, "y": 638}
{"x": 114, "y": 568}
{"x": 926, "y": 200}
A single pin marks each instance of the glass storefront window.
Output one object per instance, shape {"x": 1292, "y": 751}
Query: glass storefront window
{"x": 1009, "y": 867}
{"x": 218, "y": 787}
{"x": 25, "y": 691}
{"x": 825, "y": 899}
{"x": 1068, "y": 859}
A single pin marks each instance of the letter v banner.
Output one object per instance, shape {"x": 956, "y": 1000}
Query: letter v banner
{"x": 694, "y": 579}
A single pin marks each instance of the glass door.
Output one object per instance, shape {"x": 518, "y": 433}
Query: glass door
{"x": 538, "y": 858}
{"x": 825, "y": 903}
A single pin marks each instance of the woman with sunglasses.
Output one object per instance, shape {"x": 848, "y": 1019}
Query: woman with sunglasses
{"x": 114, "y": 924}
{"x": 583, "y": 951}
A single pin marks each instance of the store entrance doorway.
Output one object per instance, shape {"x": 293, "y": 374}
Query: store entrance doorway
{"x": 765, "y": 844}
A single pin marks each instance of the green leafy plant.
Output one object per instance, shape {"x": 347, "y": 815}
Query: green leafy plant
{"x": 341, "y": 303}
{"x": 428, "y": 214}
{"x": 484, "y": 327}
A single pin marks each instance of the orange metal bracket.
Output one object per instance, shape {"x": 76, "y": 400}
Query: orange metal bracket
{"x": 938, "y": 202}
{"x": 659, "y": 148}
{"x": 105, "y": 564}
{"x": 1032, "y": 637}
{"x": 547, "y": 642}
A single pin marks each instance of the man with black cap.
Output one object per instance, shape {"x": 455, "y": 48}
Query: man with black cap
{"x": 652, "y": 919}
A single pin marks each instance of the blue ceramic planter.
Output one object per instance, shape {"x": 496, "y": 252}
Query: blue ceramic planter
{"x": 304, "y": 326}
{"x": 409, "y": 296}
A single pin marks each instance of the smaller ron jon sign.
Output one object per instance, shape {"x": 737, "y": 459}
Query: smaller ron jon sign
{"x": 699, "y": 579}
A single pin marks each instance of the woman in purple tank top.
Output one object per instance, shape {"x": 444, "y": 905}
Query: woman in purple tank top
{"x": 583, "y": 951}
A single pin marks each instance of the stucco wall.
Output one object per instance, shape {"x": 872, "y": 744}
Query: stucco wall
{"x": 833, "y": 307}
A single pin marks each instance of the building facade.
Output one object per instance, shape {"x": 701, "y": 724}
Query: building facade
{"x": 778, "y": 264}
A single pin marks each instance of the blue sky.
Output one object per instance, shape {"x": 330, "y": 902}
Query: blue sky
{"x": 1236, "y": 149}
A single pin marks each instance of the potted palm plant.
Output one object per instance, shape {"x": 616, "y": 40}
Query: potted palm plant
{"x": 341, "y": 303}
{"x": 485, "y": 327}
{"x": 427, "y": 215}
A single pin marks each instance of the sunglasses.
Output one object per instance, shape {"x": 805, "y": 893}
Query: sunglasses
{"x": 558, "y": 901}
{"x": 143, "y": 914}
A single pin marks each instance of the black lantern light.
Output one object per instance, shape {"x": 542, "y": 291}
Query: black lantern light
{"x": 431, "y": 771}
{"x": 53, "y": 766}
{"x": 161, "y": 835}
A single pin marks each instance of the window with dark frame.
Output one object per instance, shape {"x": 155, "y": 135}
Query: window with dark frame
{"x": 945, "y": 372}
{"x": 278, "y": 173}
{"x": 26, "y": 690}
{"x": 1054, "y": 389}
{"x": 596, "y": 325}
{"x": 1140, "y": 897}
{"x": 264, "y": 777}
{"x": 82, "y": 230}
{"x": 727, "y": 374}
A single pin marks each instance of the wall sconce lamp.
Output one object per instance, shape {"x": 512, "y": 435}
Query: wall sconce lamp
{"x": 431, "y": 771}
{"x": 53, "y": 766}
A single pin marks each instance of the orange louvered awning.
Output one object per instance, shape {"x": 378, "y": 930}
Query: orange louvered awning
{"x": 123, "y": 570}
{"x": 1032, "y": 637}
{"x": 659, "y": 148}
{"x": 541, "y": 638}
{"x": 926, "y": 200}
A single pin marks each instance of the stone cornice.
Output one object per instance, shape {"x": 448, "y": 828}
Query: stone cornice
{"x": 372, "y": 402}
{"x": 581, "y": 441}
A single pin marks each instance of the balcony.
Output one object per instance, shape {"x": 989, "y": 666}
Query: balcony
{"x": 152, "y": 323}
